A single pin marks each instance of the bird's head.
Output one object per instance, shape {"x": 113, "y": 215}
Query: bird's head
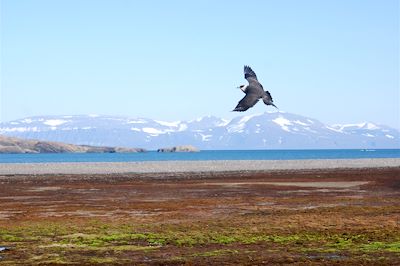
{"x": 242, "y": 87}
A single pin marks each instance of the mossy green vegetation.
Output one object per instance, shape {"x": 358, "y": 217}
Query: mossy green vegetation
{"x": 381, "y": 246}
{"x": 216, "y": 252}
{"x": 54, "y": 240}
{"x": 141, "y": 235}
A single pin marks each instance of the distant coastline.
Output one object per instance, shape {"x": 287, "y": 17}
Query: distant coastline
{"x": 19, "y": 145}
{"x": 12, "y": 145}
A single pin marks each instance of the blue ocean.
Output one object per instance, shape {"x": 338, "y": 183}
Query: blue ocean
{"x": 201, "y": 156}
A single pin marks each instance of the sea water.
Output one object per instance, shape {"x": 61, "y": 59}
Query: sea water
{"x": 201, "y": 156}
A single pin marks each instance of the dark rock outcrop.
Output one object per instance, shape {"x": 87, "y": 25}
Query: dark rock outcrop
{"x": 183, "y": 148}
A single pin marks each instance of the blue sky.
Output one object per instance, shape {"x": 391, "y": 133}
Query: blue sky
{"x": 336, "y": 61}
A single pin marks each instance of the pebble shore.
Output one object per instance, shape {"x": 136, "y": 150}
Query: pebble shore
{"x": 191, "y": 166}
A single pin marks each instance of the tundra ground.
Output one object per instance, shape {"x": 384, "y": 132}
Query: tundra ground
{"x": 317, "y": 217}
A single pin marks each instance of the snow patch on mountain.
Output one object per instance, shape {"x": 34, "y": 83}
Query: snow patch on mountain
{"x": 238, "y": 126}
{"x": 283, "y": 123}
{"x": 27, "y": 121}
{"x": 300, "y": 123}
{"x": 334, "y": 129}
{"x": 54, "y": 122}
{"x": 363, "y": 125}
{"x": 369, "y": 135}
{"x": 223, "y": 122}
{"x": 139, "y": 121}
{"x": 153, "y": 131}
{"x": 168, "y": 124}
{"x": 205, "y": 137}
{"x": 19, "y": 129}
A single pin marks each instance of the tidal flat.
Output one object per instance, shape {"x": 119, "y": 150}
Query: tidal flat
{"x": 285, "y": 217}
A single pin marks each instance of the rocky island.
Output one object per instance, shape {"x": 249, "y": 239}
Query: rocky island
{"x": 183, "y": 148}
{"x": 18, "y": 145}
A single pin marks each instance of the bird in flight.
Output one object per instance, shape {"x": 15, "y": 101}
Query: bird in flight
{"x": 254, "y": 91}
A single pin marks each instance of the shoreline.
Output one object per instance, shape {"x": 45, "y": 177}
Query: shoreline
{"x": 214, "y": 166}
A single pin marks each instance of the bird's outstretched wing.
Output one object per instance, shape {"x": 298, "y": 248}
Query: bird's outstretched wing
{"x": 249, "y": 74}
{"x": 247, "y": 102}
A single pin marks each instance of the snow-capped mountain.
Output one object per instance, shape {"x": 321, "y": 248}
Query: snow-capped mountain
{"x": 276, "y": 130}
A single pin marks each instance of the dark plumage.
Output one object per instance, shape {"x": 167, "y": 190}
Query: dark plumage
{"x": 254, "y": 92}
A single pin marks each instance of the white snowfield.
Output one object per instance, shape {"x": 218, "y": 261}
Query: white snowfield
{"x": 191, "y": 166}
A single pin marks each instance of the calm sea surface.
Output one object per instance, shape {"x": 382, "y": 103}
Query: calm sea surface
{"x": 201, "y": 156}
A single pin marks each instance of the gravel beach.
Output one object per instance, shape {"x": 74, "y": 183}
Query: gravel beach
{"x": 191, "y": 166}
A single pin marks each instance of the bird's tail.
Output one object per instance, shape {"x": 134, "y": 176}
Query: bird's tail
{"x": 274, "y": 105}
{"x": 269, "y": 95}
{"x": 268, "y": 99}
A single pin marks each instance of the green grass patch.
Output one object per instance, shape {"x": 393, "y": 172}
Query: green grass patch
{"x": 381, "y": 246}
{"x": 10, "y": 238}
{"x": 217, "y": 252}
{"x": 100, "y": 237}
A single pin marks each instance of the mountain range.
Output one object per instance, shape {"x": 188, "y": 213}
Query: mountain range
{"x": 270, "y": 130}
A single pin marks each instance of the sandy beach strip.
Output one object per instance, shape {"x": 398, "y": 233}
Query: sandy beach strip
{"x": 191, "y": 166}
